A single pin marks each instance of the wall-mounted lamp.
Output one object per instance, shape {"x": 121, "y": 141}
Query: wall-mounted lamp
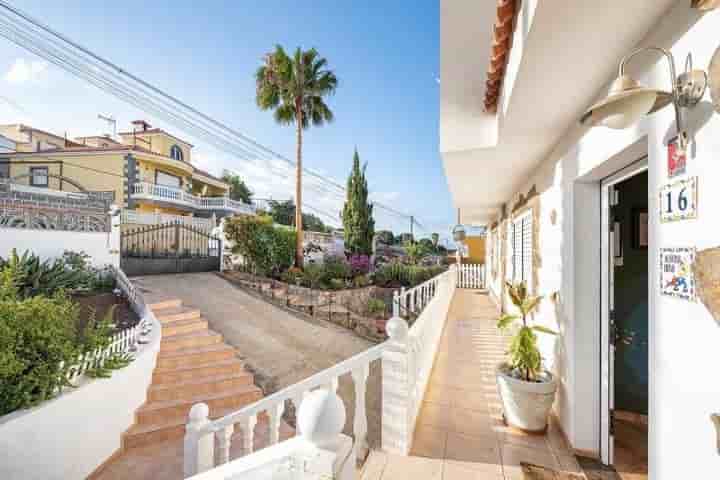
{"x": 628, "y": 101}
{"x": 459, "y": 230}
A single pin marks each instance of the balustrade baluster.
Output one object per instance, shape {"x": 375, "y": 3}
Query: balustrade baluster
{"x": 275, "y": 414}
{"x": 360, "y": 376}
{"x": 223, "y": 437}
{"x": 247, "y": 425}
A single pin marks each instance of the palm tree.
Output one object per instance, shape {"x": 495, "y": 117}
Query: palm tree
{"x": 294, "y": 88}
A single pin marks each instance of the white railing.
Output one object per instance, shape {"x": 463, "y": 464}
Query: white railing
{"x": 151, "y": 191}
{"x": 199, "y": 443}
{"x": 407, "y": 359}
{"x": 134, "y": 217}
{"x": 471, "y": 276}
{"x": 121, "y": 343}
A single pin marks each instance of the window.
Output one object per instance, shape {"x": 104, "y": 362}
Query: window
{"x": 4, "y": 169}
{"x": 176, "y": 153}
{"x": 39, "y": 176}
{"x": 167, "y": 180}
{"x": 520, "y": 249}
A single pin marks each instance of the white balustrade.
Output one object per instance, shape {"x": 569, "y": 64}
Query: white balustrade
{"x": 199, "y": 453}
{"x": 140, "y": 218}
{"x": 471, "y": 276}
{"x": 162, "y": 193}
{"x": 407, "y": 358}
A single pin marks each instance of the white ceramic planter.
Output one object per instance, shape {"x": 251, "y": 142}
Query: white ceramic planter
{"x": 526, "y": 404}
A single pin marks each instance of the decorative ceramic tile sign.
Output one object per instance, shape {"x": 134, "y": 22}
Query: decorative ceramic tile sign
{"x": 678, "y": 200}
{"x": 677, "y": 160}
{"x": 677, "y": 278}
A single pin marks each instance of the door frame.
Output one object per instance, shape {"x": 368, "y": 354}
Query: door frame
{"x": 606, "y": 298}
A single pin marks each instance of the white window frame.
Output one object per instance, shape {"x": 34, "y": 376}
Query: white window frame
{"x": 34, "y": 175}
{"x": 520, "y": 249}
{"x": 176, "y": 153}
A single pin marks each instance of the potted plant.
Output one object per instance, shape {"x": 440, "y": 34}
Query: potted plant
{"x": 526, "y": 389}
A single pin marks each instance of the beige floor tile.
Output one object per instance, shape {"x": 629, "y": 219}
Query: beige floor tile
{"x": 568, "y": 463}
{"x": 468, "y": 399}
{"x": 412, "y": 468}
{"x": 458, "y": 471}
{"x": 434, "y": 415}
{"x": 514, "y": 437}
{"x": 439, "y": 394}
{"x": 471, "y": 422}
{"x": 429, "y": 442}
{"x": 472, "y": 452}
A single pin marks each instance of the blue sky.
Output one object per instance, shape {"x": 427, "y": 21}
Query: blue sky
{"x": 385, "y": 54}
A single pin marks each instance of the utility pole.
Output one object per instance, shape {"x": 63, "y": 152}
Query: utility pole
{"x": 412, "y": 224}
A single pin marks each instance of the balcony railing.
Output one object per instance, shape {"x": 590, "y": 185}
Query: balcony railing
{"x": 177, "y": 196}
{"x": 406, "y": 357}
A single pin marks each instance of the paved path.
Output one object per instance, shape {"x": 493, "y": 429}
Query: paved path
{"x": 460, "y": 434}
{"x": 279, "y": 347}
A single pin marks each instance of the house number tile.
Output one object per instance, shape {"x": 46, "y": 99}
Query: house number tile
{"x": 678, "y": 200}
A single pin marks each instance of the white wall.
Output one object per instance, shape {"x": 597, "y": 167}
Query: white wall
{"x": 684, "y": 384}
{"x": 103, "y": 247}
{"x": 71, "y": 435}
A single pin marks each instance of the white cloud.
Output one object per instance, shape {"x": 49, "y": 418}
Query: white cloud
{"x": 24, "y": 71}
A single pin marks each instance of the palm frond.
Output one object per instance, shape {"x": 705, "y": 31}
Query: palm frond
{"x": 506, "y": 320}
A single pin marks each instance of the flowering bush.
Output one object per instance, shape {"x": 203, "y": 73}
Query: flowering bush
{"x": 359, "y": 264}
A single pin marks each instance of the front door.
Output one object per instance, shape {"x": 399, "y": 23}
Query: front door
{"x": 624, "y": 325}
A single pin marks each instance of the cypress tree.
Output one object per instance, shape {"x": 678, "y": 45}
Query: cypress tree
{"x": 357, "y": 217}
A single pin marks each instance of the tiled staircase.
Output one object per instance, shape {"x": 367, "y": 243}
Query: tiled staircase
{"x": 193, "y": 365}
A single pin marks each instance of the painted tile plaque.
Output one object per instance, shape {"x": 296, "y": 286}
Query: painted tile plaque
{"x": 678, "y": 200}
{"x": 677, "y": 160}
{"x": 677, "y": 278}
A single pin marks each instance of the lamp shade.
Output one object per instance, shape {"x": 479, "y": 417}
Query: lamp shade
{"x": 458, "y": 233}
{"x": 626, "y": 103}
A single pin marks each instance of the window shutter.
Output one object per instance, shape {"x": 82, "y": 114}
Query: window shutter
{"x": 509, "y": 253}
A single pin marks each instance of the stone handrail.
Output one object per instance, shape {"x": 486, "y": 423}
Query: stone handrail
{"x": 176, "y": 195}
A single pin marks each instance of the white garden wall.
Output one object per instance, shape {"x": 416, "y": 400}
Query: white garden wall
{"x": 103, "y": 247}
{"x": 684, "y": 385}
{"x": 70, "y": 436}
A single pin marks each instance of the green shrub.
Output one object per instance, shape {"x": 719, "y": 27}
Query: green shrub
{"x": 337, "y": 283}
{"x": 268, "y": 249}
{"x": 336, "y": 267}
{"x": 37, "y": 336}
{"x": 398, "y": 274}
{"x": 361, "y": 281}
{"x": 313, "y": 275}
{"x": 375, "y": 306}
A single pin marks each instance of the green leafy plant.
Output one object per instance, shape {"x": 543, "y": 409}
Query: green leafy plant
{"x": 268, "y": 249}
{"x": 416, "y": 251}
{"x": 361, "y": 281}
{"x": 524, "y": 354}
{"x": 313, "y": 275}
{"x": 395, "y": 274}
{"x": 337, "y": 283}
{"x": 375, "y": 307}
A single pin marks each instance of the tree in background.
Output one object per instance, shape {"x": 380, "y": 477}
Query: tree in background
{"x": 435, "y": 239}
{"x": 427, "y": 245}
{"x": 294, "y": 87}
{"x": 284, "y": 214}
{"x": 358, "y": 222}
{"x": 404, "y": 238}
{"x": 239, "y": 191}
{"x": 385, "y": 237}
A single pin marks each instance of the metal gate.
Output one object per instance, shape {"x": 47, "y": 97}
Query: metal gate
{"x": 168, "y": 248}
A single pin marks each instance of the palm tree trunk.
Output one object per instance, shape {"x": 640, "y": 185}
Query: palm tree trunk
{"x": 298, "y": 191}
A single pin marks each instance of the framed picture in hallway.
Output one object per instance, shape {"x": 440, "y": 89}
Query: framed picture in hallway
{"x": 640, "y": 228}
{"x": 677, "y": 278}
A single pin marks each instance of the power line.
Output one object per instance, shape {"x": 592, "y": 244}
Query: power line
{"x": 42, "y": 40}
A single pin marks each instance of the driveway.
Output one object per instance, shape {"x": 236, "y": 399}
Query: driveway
{"x": 279, "y": 347}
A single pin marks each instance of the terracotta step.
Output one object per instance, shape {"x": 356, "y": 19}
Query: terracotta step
{"x": 175, "y": 314}
{"x": 190, "y": 356}
{"x": 190, "y": 340}
{"x": 198, "y": 370}
{"x": 165, "y": 411}
{"x": 198, "y": 386}
{"x": 174, "y": 303}
{"x": 150, "y": 433}
{"x": 184, "y": 326}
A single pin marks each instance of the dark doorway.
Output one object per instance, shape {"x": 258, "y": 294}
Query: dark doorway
{"x": 631, "y": 322}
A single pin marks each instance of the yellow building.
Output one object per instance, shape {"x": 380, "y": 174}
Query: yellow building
{"x": 146, "y": 170}
{"x": 475, "y": 249}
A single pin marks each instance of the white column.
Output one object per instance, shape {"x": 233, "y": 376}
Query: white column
{"x": 247, "y": 425}
{"x": 396, "y": 389}
{"x": 275, "y": 414}
{"x": 223, "y": 439}
{"x": 198, "y": 445}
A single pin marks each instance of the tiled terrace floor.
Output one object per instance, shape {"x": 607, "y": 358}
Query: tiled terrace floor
{"x": 460, "y": 433}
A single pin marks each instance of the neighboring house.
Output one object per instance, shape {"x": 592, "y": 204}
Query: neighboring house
{"x": 146, "y": 170}
{"x": 474, "y": 249}
{"x": 580, "y": 214}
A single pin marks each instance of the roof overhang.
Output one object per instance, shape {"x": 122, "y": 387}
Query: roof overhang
{"x": 562, "y": 55}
